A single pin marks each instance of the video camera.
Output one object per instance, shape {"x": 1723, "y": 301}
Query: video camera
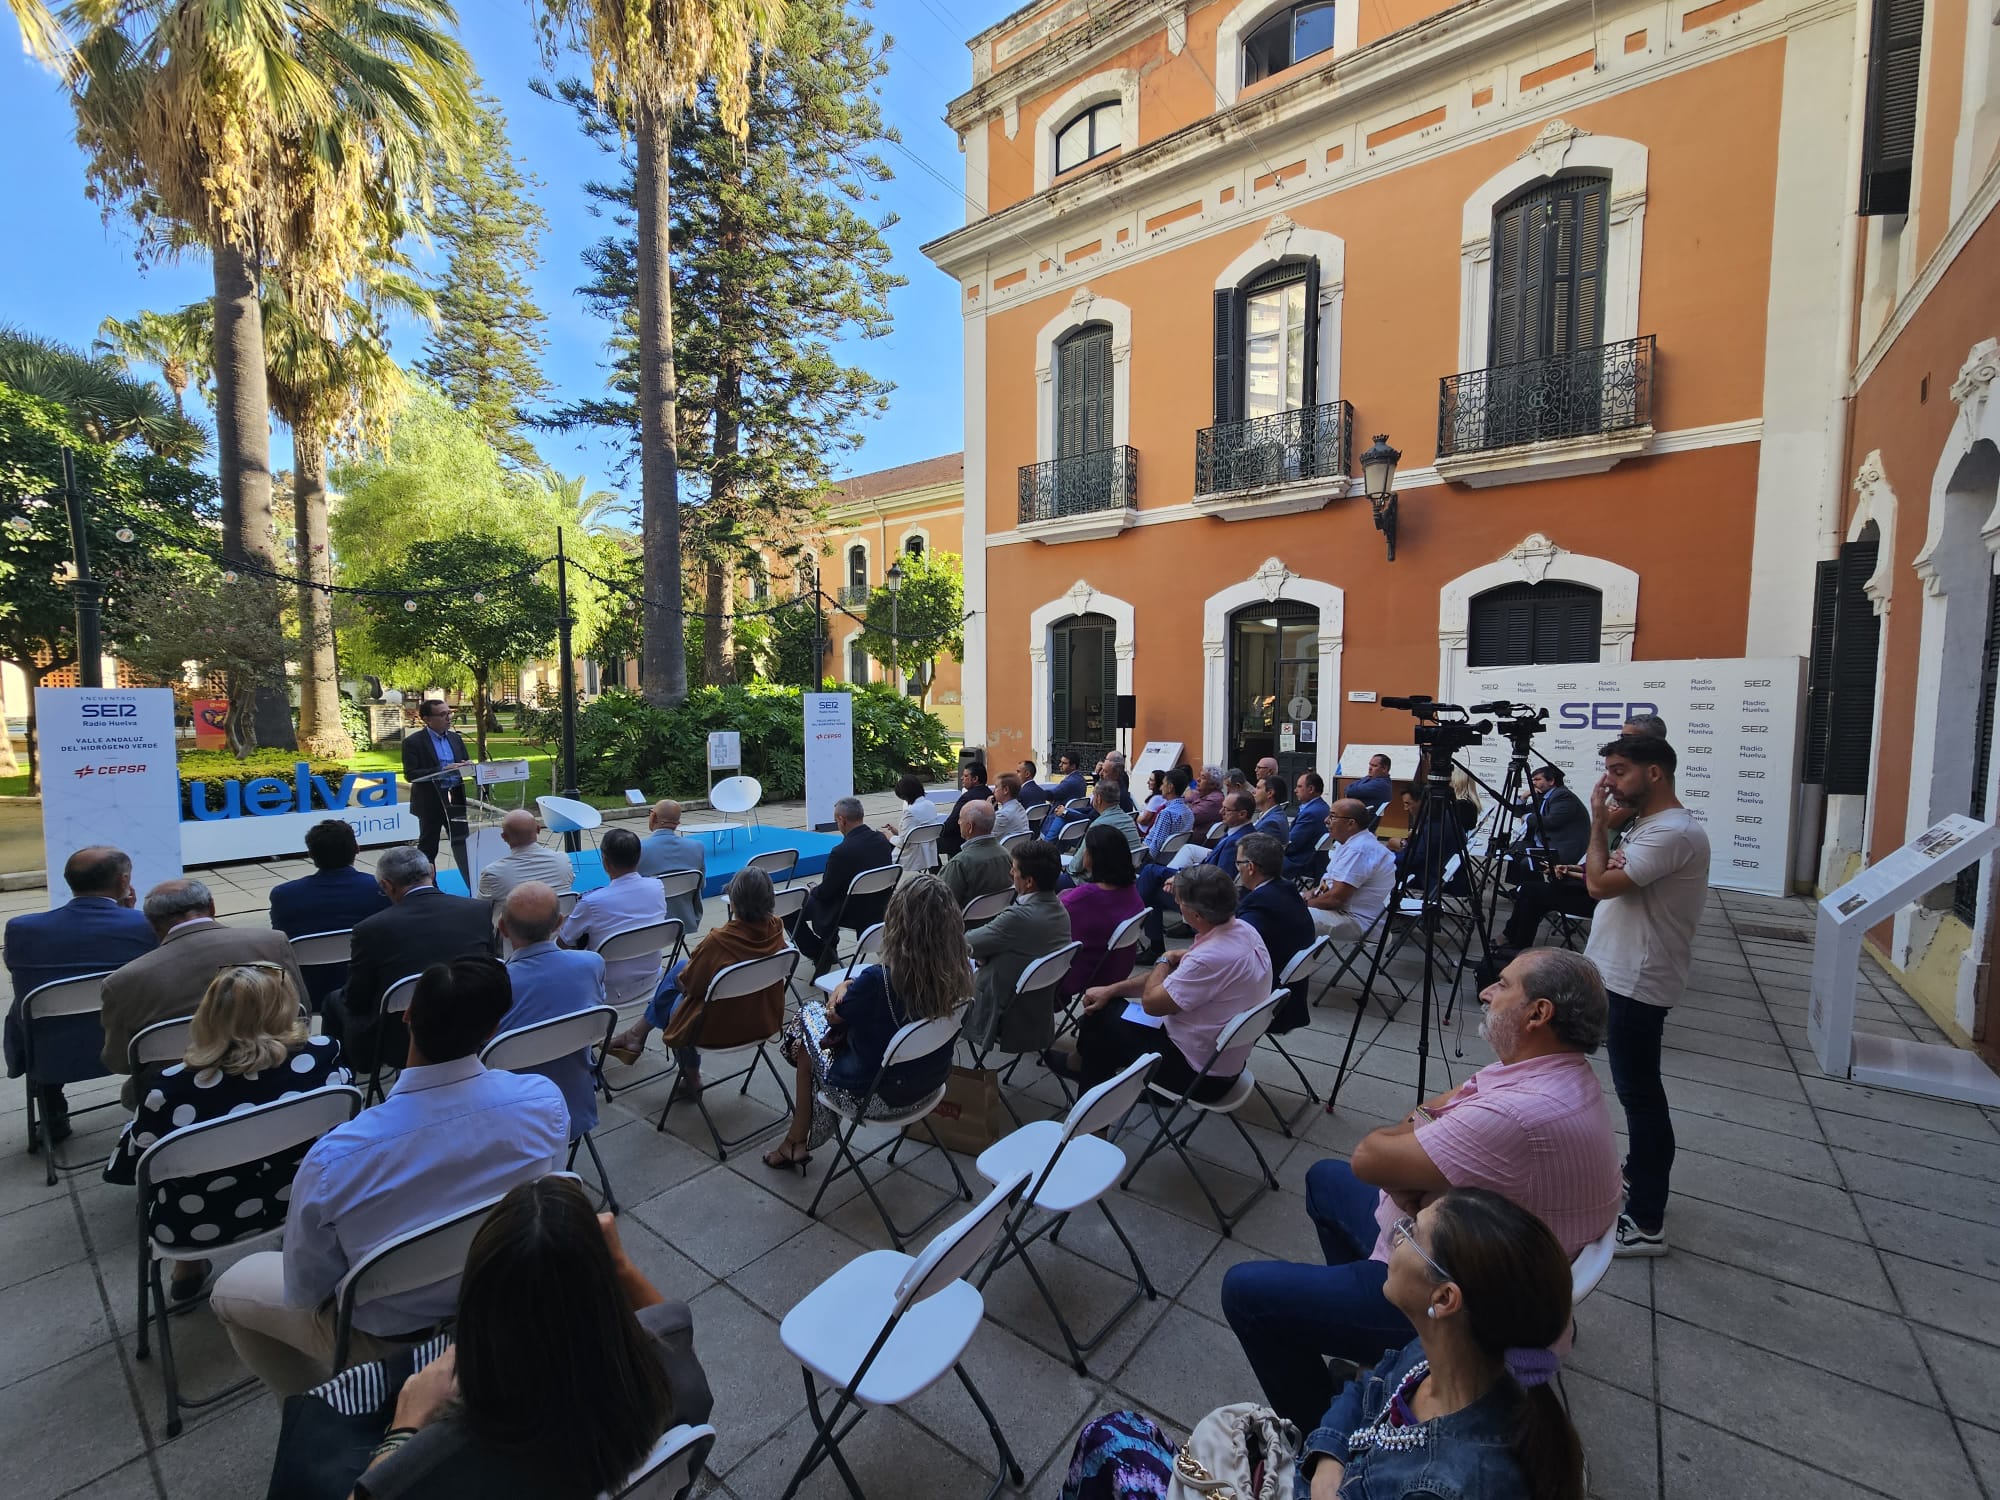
{"x": 1519, "y": 722}
{"x": 1444, "y": 728}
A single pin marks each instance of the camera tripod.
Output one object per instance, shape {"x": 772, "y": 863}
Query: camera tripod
{"x": 1519, "y": 725}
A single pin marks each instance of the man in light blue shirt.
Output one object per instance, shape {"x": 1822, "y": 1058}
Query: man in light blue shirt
{"x": 1176, "y": 815}
{"x": 549, "y": 982}
{"x": 666, "y": 849}
{"x": 630, "y": 900}
{"x": 450, "y": 1136}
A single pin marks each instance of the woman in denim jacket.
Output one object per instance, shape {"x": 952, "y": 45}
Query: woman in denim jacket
{"x": 1466, "y": 1410}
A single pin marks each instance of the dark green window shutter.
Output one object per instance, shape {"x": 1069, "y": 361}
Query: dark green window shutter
{"x": 1576, "y": 297}
{"x": 1059, "y": 649}
{"x": 1508, "y": 262}
{"x": 1819, "y": 674}
{"x": 1549, "y": 248}
{"x": 1310, "y": 389}
{"x": 1965, "y": 896}
{"x": 1228, "y": 356}
{"x": 1109, "y": 637}
{"x": 1856, "y": 634}
{"x": 1534, "y": 624}
{"x": 1083, "y": 392}
{"x": 1889, "y": 131}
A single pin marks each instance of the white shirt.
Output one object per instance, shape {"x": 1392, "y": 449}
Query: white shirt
{"x": 1009, "y": 818}
{"x": 530, "y": 862}
{"x": 1643, "y": 942}
{"x": 1367, "y": 864}
{"x": 921, "y": 856}
{"x": 632, "y": 900}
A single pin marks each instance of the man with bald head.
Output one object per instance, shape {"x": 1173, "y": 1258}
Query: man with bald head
{"x": 527, "y": 858}
{"x": 1360, "y": 875}
{"x": 981, "y": 866}
{"x": 666, "y": 849}
{"x": 96, "y": 929}
{"x": 548, "y": 982}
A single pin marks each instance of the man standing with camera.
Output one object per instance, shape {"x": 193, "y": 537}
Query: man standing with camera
{"x": 1642, "y": 941}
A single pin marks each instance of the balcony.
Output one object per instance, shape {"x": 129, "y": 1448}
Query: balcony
{"x": 1080, "y": 499}
{"x": 853, "y": 595}
{"x": 1278, "y": 465}
{"x": 1575, "y": 413}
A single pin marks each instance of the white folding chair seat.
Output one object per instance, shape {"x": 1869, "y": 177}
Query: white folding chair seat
{"x": 1069, "y": 1166}
{"x": 661, "y": 940}
{"x": 588, "y": 1031}
{"x": 1589, "y": 1267}
{"x": 241, "y": 1140}
{"x": 737, "y": 983}
{"x": 886, "y": 1327}
{"x": 160, "y": 1045}
{"x": 778, "y": 864}
{"x": 917, "y": 1040}
{"x": 82, "y": 995}
{"x": 1244, "y": 1030}
{"x": 395, "y": 1002}
{"x": 1037, "y": 984}
{"x": 867, "y": 948}
{"x": 677, "y": 883}
{"x": 985, "y": 908}
{"x": 918, "y": 849}
{"x": 566, "y": 902}
{"x": 672, "y": 1466}
{"x": 311, "y": 950}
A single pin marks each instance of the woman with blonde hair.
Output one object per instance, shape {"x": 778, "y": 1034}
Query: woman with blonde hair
{"x": 925, "y": 973}
{"x": 248, "y": 1044}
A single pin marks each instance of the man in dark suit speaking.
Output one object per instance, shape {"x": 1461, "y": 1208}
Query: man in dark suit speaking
{"x": 441, "y": 801}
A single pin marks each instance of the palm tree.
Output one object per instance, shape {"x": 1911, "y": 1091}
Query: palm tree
{"x": 109, "y": 404}
{"x": 648, "y": 58}
{"x": 181, "y": 345}
{"x": 40, "y": 31}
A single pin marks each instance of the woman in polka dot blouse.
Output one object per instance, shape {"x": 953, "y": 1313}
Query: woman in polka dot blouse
{"x": 248, "y": 1046}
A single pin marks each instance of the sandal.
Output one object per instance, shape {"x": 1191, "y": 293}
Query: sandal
{"x": 787, "y": 1153}
{"x": 625, "y": 1050}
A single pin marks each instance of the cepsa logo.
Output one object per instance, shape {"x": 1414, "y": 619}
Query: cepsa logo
{"x": 110, "y": 770}
{"x": 110, "y": 710}
{"x": 1588, "y": 714}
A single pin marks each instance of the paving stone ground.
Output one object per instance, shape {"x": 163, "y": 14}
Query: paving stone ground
{"x": 1827, "y": 1325}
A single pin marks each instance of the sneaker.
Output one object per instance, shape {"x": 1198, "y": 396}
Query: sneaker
{"x": 1634, "y": 1241}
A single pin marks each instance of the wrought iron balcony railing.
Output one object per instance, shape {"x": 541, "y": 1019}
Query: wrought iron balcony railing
{"x": 1084, "y": 485}
{"x": 852, "y": 594}
{"x": 1599, "y": 391}
{"x": 1312, "y": 443}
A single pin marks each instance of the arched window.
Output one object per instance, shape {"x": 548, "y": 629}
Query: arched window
{"x": 1267, "y": 343}
{"x": 1083, "y": 687}
{"x": 857, "y": 566}
{"x": 1548, "y": 270}
{"x": 913, "y": 544}
{"x": 1534, "y": 624}
{"x": 760, "y": 581}
{"x": 857, "y": 660}
{"x": 1088, "y": 134}
{"x": 1291, "y": 36}
{"x": 1083, "y": 391}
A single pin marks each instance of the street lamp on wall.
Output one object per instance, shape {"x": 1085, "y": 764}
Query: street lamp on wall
{"x": 1378, "y": 481}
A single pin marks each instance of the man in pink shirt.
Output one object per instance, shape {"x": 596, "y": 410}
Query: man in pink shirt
{"x": 1533, "y": 1127}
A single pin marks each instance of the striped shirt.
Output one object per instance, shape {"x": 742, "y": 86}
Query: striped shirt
{"x": 1538, "y": 1133}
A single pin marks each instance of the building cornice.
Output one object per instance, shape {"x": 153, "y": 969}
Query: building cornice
{"x": 897, "y": 502}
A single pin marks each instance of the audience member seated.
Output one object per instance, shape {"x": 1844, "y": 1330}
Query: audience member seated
{"x": 1153, "y": 801}
{"x": 972, "y": 788}
{"x": 423, "y": 926}
{"x": 1360, "y": 875}
{"x": 665, "y": 850}
{"x": 627, "y": 900}
{"x": 1104, "y": 895}
{"x": 1423, "y": 857}
{"x": 450, "y": 1135}
{"x": 527, "y": 858}
{"x": 1272, "y": 905}
{"x": 248, "y": 1045}
{"x": 1069, "y": 779}
{"x": 1070, "y": 789}
{"x": 558, "y": 1395}
{"x": 752, "y": 931}
{"x": 1235, "y": 825}
{"x": 1107, "y": 814}
{"x": 168, "y": 982}
{"x": 1268, "y": 792}
{"x": 98, "y": 928}
{"x": 335, "y": 897}
{"x": 918, "y": 812}
{"x": 1032, "y": 793}
{"x": 924, "y": 974}
{"x": 1267, "y": 768}
{"x": 1303, "y": 861}
{"x": 1198, "y": 990}
{"x": 860, "y": 848}
{"x": 1375, "y": 788}
{"x": 1034, "y": 926}
{"x": 1554, "y": 831}
{"x": 1010, "y": 815}
{"x": 1464, "y": 1409}
{"x": 1205, "y": 800}
{"x": 980, "y": 867}
{"x": 1175, "y": 815}
{"x": 1563, "y": 890}
{"x": 1532, "y": 1127}
{"x": 549, "y": 981}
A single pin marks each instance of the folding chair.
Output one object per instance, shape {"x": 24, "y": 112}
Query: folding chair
{"x": 1038, "y": 984}
{"x": 672, "y": 1466}
{"x": 239, "y": 1140}
{"x": 1297, "y": 979}
{"x": 662, "y": 939}
{"x": 1071, "y": 836}
{"x": 1017, "y": 838}
{"x": 985, "y": 908}
{"x": 588, "y": 1031}
{"x": 1036, "y": 815}
{"x": 677, "y": 883}
{"x": 879, "y": 881}
{"x": 1173, "y": 845}
{"x": 776, "y": 863}
{"x": 1071, "y": 1166}
{"x": 80, "y": 996}
{"x": 566, "y": 903}
{"x": 1125, "y": 938}
{"x": 886, "y": 1327}
{"x": 867, "y": 948}
{"x": 922, "y": 840}
{"x": 395, "y": 1002}
{"x": 160, "y": 1045}
{"x": 751, "y": 977}
{"x": 1246, "y": 1030}
{"x": 313, "y": 950}
{"x": 918, "y": 1039}
{"x": 1592, "y": 1262}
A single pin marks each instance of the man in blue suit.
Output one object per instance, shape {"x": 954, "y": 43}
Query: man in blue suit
{"x": 665, "y": 850}
{"x": 1375, "y": 788}
{"x": 334, "y": 898}
{"x": 1273, "y": 906}
{"x": 1155, "y": 887}
{"x": 1302, "y": 857}
{"x": 97, "y": 930}
{"x": 549, "y": 982}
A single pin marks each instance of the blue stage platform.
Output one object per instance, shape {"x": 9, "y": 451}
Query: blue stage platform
{"x": 727, "y": 853}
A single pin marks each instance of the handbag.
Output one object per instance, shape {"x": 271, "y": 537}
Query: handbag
{"x": 1237, "y": 1452}
{"x": 970, "y": 1117}
{"x": 327, "y": 1435}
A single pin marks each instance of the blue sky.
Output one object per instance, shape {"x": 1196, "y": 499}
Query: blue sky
{"x": 63, "y": 270}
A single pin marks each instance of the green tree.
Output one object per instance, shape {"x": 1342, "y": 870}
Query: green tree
{"x": 179, "y": 344}
{"x": 481, "y": 628}
{"x": 105, "y": 401}
{"x": 927, "y": 616}
{"x": 648, "y": 60}
{"x": 486, "y": 348}
{"x": 193, "y": 610}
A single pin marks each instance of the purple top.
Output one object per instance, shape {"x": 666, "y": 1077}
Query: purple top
{"x": 1094, "y": 914}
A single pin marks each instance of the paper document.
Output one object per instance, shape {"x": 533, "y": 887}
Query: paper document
{"x": 1136, "y": 1012}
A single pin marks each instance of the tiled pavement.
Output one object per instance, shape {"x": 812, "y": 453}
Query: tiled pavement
{"x": 1828, "y": 1323}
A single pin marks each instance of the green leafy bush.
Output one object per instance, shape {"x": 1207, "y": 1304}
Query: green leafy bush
{"x": 213, "y": 766}
{"x": 621, "y": 741}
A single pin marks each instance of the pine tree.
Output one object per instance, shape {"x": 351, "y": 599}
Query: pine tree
{"x": 485, "y": 354}
{"x": 775, "y": 259}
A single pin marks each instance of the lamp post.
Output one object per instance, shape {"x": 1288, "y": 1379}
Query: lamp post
{"x": 893, "y": 581}
{"x": 1378, "y": 481}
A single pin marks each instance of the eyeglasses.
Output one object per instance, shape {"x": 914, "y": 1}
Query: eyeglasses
{"x": 1404, "y": 1231}
{"x": 251, "y": 963}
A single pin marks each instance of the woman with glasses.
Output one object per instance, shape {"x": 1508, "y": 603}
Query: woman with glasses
{"x": 247, "y": 1045}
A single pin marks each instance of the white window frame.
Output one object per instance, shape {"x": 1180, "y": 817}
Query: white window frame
{"x": 1270, "y": 583}
{"x": 848, "y": 643}
{"x": 921, "y": 534}
{"x": 1536, "y": 560}
{"x": 1084, "y": 308}
{"x": 1236, "y": 27}
{"x": 1121, "y": 84}
{"x": 1283, "y": 240}
{"x": 1283, "y": 339}
{"x": 1079, "y": 599}
{"x": 1089, "y": 116}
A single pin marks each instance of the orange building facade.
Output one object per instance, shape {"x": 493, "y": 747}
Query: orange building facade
{"x": 1597, "y": 271}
